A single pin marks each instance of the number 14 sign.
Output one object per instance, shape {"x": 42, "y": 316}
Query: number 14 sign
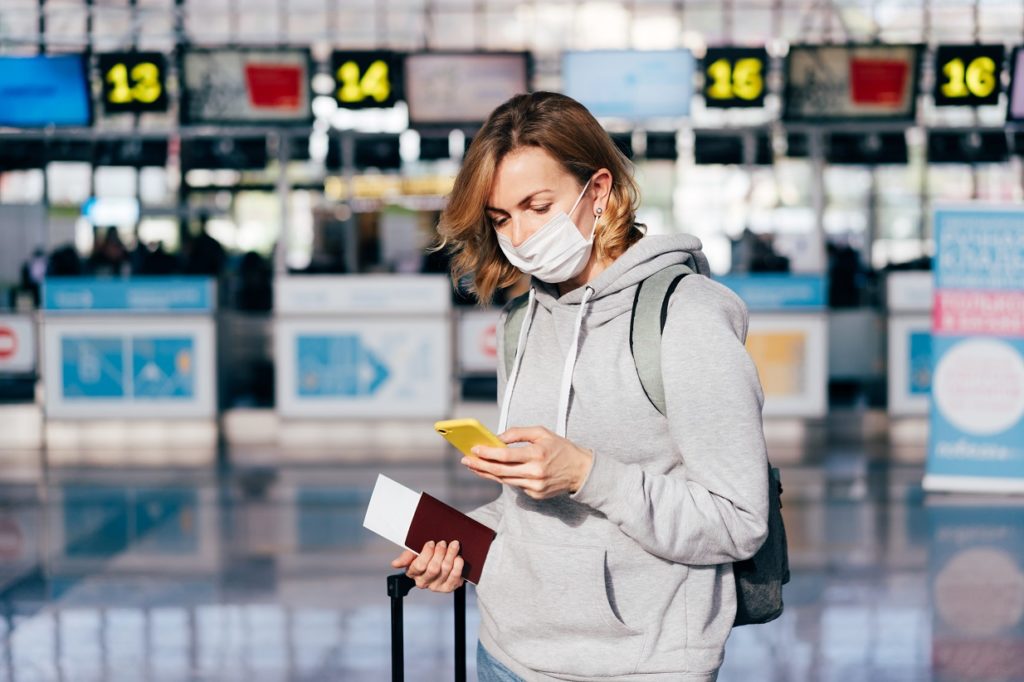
{"x": 364, "y": 80}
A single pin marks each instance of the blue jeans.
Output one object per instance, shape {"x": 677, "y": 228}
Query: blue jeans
{"x": 488, "y": 669}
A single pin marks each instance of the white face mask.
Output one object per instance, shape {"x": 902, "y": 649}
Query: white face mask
{"x": 556, "y": 252}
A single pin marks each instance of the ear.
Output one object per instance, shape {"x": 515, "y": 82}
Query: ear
{"x": 601, "y": 189}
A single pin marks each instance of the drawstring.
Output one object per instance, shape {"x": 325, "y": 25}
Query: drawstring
{"x": 567, "y": 372}
{"x": 520, "y": 346}
{"x": 570, "y": 366}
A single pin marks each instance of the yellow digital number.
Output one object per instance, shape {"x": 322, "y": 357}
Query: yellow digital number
{"x": 742, "y": 81}
{"x": 147, "y": 88}
{"x": 748, "y": 83}
{"x": 118, "y": 78}
{"x": 356, "y": 87}
{"x": 721, "y": 73}
{"x": 978, "y": 78}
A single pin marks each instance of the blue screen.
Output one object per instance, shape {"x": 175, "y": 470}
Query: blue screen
{"x": 635, "y": 85}
{"x": 45, "y": 90}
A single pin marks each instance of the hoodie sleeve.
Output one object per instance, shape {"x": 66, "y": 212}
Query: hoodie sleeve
{"x": 490, "y": 513}
{"x": 713, "y": 509}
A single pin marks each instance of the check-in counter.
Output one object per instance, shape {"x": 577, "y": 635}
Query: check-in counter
{"x": 788, "y": 340}
{"x": 358, "y": 347}
{"x": 909, "y": 305}
{"x": 129, "y": 349}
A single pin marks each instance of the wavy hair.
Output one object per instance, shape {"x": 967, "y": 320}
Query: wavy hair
{"x": 571, "y": 135}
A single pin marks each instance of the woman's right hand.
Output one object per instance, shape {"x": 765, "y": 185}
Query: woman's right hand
{"x": 437, "y": 568}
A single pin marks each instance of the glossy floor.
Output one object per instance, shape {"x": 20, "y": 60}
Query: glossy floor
{"x": 260, "y": 573}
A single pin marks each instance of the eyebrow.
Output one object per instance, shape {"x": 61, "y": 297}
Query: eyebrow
{"x": 524, "y": 202}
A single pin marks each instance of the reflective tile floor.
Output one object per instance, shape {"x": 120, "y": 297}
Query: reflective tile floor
{"x": 254, "y": 574}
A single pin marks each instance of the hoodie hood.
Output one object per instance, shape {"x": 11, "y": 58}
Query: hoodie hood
{"x": 605, "y": 297}
{"x": 646, "y": 257}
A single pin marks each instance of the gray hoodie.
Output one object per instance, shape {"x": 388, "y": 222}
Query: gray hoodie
{"x": 630, "y": 577}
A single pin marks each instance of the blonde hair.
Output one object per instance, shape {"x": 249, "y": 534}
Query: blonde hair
{"x": 572, "y": 136}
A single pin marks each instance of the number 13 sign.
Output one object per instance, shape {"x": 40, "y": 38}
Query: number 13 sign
{"x": 133, "y": 82}
{"x": 364, "y": 80}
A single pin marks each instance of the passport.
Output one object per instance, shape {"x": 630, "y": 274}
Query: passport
{"x": 410, "y": 519}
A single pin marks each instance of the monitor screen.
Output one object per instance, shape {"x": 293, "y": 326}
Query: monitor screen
{"x": 634, "y": 85}
{"x": 43, "y": 91}
{"x": 461, "y": 89}
{"x": 246, "y": 86}
{"x": 1016, "y": 99}
{"x": 827, "y": 83}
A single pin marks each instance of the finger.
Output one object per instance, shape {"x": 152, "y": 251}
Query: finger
{"x": 434, "y": 567}
{"x": 509, "y": 455}
{"x": 501, "y": 470}
{"x": 524, "y": 434}
{"x": 417, "y": 567}
{"x": 530, "y": 486}
{"x": 447, "y": 562}
{"x": 404, "y": 559}
{"x": 455, "y": 579}
{"x": 489, "y": 477}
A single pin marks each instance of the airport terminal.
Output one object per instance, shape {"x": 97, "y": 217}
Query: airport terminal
{"x": 234, "y": 304}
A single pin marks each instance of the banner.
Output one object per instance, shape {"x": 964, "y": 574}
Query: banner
{"x": 977, "y": 412}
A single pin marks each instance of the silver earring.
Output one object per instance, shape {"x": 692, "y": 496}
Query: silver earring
{"x": 600, "y": 211}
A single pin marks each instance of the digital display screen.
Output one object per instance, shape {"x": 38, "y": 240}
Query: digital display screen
{"x": 366, "y": 79}
{"x": 968, "y": 75}
{"x": 1016, "y": 99}
{"x": 827, "y": 83}
{"x": 246, "y": 86}
{"x": 133, "y": 82}
{"x": 43, "y": 91}
{"x": 462, "y": 88}
{"x": 634, "y": 85}
{"x": 735, "y": 77}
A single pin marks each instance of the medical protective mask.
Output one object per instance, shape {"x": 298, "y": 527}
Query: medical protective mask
{"x": 556, "y": 252}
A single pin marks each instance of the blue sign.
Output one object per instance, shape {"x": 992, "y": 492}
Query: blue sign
{"x": 919, "y": 367}
{"x": 44, "y": 90}
{"x": 977, "y": 407}
{"x": 337, "y": 366}
{"x": 137, "y": 294}
{"x": 779, "y": 293}
{"x": 979, "y": 249}
{"x": 93, "y": 367}
{"x": 632, "y": 84}
{"x": 163, "y": 367}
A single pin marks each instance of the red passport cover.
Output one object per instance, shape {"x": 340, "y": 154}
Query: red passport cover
{"x": 435, "y": 520}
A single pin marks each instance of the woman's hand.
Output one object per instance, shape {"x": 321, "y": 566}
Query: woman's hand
{"x": 437, "y": 568}
{"x": 549, "y": 465}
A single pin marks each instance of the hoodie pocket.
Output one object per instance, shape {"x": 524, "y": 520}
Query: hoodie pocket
{"x": 550, "y": 609}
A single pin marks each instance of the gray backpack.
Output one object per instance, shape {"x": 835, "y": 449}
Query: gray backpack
{"x": 759, "y": 579}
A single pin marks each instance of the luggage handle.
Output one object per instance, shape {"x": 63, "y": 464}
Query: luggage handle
{"x": 399, "y": 586}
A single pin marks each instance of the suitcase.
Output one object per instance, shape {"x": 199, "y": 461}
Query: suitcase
{"x": 399, "y": 585}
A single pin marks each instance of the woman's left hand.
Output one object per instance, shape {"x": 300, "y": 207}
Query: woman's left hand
{"x": 549, "y": 465}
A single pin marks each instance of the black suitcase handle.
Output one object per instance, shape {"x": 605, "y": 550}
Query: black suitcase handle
{"x": 399, "y": 585}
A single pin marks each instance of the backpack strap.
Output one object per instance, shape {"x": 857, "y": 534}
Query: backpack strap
{"x": 513, "y": 323}
{"x": 650, "y": 310}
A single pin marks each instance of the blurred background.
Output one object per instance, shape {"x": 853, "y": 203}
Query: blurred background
{"x": 220, "y": 319}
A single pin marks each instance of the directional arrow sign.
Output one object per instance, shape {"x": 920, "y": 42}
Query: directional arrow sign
{"x": 338, "y": 366}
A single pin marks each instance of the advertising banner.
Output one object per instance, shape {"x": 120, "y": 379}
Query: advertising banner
{"x": 977, "y": 412}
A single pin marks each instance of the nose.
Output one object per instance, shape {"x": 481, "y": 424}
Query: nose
{"x": 518, "y": 233}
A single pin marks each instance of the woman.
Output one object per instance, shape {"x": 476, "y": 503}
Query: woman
{"x": 617, "y": 526}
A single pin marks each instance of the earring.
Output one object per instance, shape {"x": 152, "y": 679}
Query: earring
{"x": 600, "y": 211}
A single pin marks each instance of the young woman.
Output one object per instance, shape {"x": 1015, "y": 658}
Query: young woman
{"x": 617, "y": 525}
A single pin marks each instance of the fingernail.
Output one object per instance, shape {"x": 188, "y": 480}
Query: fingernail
{"x": 465, "y": 461}
{"x": 455, "y": 544}
{"x": 475, "y": 450}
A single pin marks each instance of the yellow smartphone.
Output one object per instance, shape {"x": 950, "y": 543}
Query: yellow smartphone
{"x": 466, "y": 433}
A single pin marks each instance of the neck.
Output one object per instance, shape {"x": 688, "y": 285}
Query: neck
{"x": 594, "y": 267}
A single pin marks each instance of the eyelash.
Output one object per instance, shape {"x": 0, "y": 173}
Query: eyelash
{"x": 498, "y": 222}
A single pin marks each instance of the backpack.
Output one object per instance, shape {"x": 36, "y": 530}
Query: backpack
{"x": 759, "y": 579}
